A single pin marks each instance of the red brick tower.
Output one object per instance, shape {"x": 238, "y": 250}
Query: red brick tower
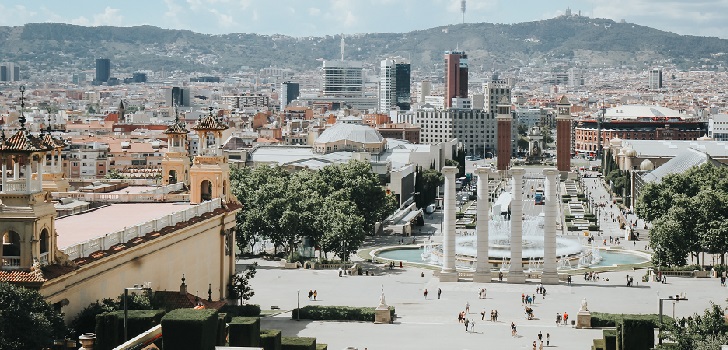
{"x": 504, "y": 120}
{"x": 563, "y": 135}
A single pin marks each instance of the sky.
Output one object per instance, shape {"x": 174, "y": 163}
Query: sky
{"x": 302, "y": 18}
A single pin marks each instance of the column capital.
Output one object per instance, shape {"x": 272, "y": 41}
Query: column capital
{"x": 518, "y": 171}
{"x": 482, "y": 170}
{"x": 449, "y": 170}
{"x": 551, "y": 171}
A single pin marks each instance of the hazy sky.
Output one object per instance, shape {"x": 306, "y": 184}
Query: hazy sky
{"x": 321, "y": 17}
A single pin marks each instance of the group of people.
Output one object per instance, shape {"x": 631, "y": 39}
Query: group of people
{"x": 591, "y": 276}
{"x": 560, "y": 318}
{"x": 312, "y": 294}
{"x": 540, "y": 341}
{"x": 493, "y": 315}
{"x": 391, "y": 265}
{"x": 481, "y": 293}
{"x": 527, "y": 299}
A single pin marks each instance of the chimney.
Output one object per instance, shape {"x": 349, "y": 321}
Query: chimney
{"x": 183, "y": 286}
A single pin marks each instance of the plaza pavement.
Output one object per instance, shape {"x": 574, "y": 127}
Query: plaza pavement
{"x": 432, "y": 323}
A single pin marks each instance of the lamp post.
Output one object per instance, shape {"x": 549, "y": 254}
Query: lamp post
{"x": 126, "y": 309}
{"x": 298, "y": 313}
{"x": 674, "y": 299}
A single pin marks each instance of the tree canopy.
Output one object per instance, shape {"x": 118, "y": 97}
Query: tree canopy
{"x": 28, "y": 321}
{"x": 334, "y": 207}
{"x": 689, "y": 212}
{"x": 707, "y": 331}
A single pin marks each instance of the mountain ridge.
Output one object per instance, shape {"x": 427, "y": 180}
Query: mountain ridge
{"x": 586, "y": 40}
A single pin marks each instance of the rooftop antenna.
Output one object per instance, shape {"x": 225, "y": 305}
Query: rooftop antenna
{"x": 342, "y": 46}
{"x": 462, "y": 9}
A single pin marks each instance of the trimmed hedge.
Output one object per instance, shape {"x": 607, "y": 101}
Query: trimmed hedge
{"x": 110, "y": 326}
{"x": 601, "y": 319}
{"x": 593, "y": 227}
{"x": 190, "y": 329}
{"x": 599, "y": 344}
{"x": 270, "y": 339}
{"x": 322, "y": 347}
{"x": 636, "y": 334}
{"x": 610, "y": 339}
{"x": 337, "y": 313}
{"x": 298, "y": 343}
{"x": 244, "y": 331}
{"x": 231, "y": 311}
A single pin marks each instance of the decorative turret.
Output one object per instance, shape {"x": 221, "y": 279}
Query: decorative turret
{"x": 176, "y": 161}
{"x": 54, "y": 179}
{"x": 210, "y": 173}
{"x": 26, "y": 218}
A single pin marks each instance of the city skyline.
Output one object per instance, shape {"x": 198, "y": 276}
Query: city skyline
{"x": 330, "y": 17}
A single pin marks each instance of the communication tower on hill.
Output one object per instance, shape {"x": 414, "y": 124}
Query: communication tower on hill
{"x": 462, "y": 9}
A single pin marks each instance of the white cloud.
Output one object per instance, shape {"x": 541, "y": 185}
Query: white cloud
{"x": 16, "y": 15}
{"x": 312, "y": 11}
{"x": 110, "y": 17}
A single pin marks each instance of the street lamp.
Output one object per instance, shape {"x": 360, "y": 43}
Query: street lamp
{"x": 126, "y": 296}
{"x": 298, "y": 313}
{"x": 674, "y": 299}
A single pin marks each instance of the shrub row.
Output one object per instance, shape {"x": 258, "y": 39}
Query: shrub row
{"x": 298, "y": 343}
{"x": 600, "y": 319}
{"x": 337, "y": 313}
{"x": 244, "y": 331}
{"x": 190, "y": 329}
{"x": 110, "y": 326}
{"x": 270, "y": 339}
{"x": 231, "y": 311}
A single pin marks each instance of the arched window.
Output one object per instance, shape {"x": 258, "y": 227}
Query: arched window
{"x": 11, "y": 244}
{"x": 206, "y": 190}
{"x": 44, "y": 241}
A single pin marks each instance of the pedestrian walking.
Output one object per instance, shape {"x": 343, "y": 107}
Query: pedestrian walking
{"x": 467, "y": 322}
{"x": 548, "y": 339}
{"x": 513, "y": 330}
{"x": 540, "y": 336}
{"x": 558, "y": 319}
{"x": 467, "y": 307}
{"x": 425, "y": 293}
{"x": 439, "y": 292}
{"x": 315, "y": 294}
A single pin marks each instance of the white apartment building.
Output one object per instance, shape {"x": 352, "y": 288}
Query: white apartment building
{"x": 718, "y": 127}
{"x": 387, "y": 84}
{"x": 655, "y": 79}
{"x": 529, "y": 117}
{"x": 342, "y": 79}
{"x": 494, "y": 91}
{"x": 475, "y": 129}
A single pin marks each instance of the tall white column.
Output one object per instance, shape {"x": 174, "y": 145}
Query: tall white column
{"x": 550, "y": 275}
{"x": 449, "y": 273}
{"x": 41, "y": 163}
{"x": 515, "y": 273}
{"x": 5, "y": 176}
{"x": 16, "y": 169}
{"x": 53, "y": 162}
{"x": 28, "y": 176}
{"x": 482, "y": 266}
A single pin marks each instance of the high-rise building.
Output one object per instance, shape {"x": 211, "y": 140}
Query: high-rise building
{"x": 178, "y": 96}
{"x": 655, "y": 79}
{"x": 103, "y": 70}
{"x": 425, "y": 89}
{"x": 343, "y": 79}
{"x": 576, "y": 76}
{"x": 394, "y": 84}
{"x": 564, "y": 146}
{"x": 456, "y": 76}
{"x": 9, "y": 72}
{"x": 494, "y": 92}
{"x": 289, "y": 92}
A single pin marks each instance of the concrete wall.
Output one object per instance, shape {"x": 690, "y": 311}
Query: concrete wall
{"x": 197, "y": 251}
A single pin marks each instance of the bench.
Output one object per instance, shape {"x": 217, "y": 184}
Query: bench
{"x": 275, "y": 307}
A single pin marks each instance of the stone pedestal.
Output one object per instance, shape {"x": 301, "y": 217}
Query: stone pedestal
{"x": 449, "y": 273}
{"x": 381, "y": 313}
{"x": 583, "y": 319}
{"x": 515, "y": 273}
{"x": 482, "y": 266}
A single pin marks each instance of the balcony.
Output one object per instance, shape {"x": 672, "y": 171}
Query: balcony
{"x": 43, "y": 259}
{"x": 211, "y": 152}
{"x": 11, "y": 262}
{"x": 20, "y": 187}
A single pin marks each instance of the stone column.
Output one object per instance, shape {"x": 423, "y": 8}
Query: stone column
{"x": 482, "y": 266}
{"x": 449, "y": 273}
{"x": 549, "y": 275}
{"x": 5, "y": 176}
{"x": 515, "y": 273}
{"x": 28, "y": 176}
{"x": 16, "y": 168}
{"x": 41, "y": 162}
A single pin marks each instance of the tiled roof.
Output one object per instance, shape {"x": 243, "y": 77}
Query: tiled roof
{"x": 177, "y": 128}
{"x": 176, "y": 300}
{"x": 22, "y": 141}
{"x": 53, "y": 142}
{"x": 209, "y": 123}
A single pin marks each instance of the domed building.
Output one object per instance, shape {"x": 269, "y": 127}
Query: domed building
{"x": 350, "y": 137}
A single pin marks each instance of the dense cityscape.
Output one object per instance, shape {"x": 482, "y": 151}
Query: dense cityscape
{"x": 144, "y": 208}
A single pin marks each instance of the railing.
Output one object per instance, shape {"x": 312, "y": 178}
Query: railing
{"x": 166, "y": 189}
{"x": 109, "y": 240}
{"x": 43, "y": 259}
{"x": 11, "y": 262}
{"x": 143, "y": 339}
{"x": 123, "y": 197}
{"x": 214, "y": 152}
{"x": 20, "y": 186}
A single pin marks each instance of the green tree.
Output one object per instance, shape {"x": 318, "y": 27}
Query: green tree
{"x": 522, "y": 143}
{"x": 460, "y": 157}
{"x": 85, "y": 320}
{"x": 239, "y": 287}
{"x": 522, "y": 129}
{"x": 426, "y": 184}
{"x": 548, "y": 136}
{"x": 28, "y": 321}
{"x": 114, "y": 174}
{"x": 698, "y": 331}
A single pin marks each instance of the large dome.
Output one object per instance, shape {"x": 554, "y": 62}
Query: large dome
{"x": 350, "y": 132}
